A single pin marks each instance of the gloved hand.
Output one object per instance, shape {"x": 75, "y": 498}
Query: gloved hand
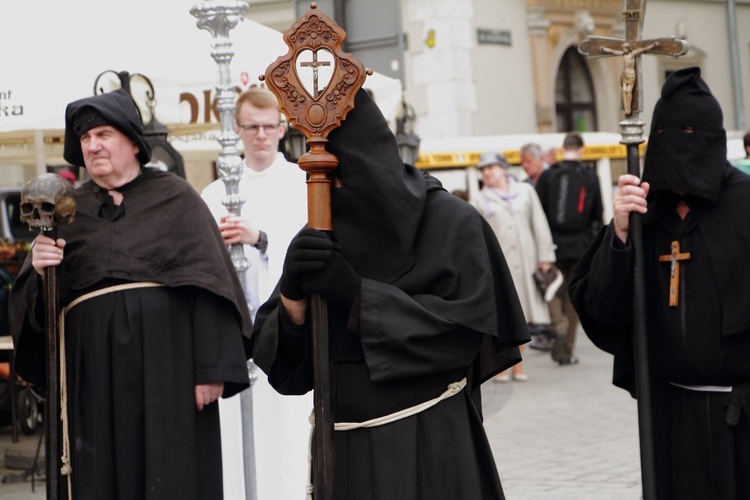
{"x": 309, "y": 251}
{"x": 337, "y": 282}
{"x": 738, "y": 401}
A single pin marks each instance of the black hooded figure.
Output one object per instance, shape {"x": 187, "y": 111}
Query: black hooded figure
{"x": 419, "y": 298}
{"x": 698, "y": 322}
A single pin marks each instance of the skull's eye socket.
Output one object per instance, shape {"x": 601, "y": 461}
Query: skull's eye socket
{"x": 47, "y": 207}
{"x": 27, "y": 208}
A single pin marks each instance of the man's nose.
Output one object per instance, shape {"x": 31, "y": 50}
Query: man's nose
{"x": 93, "y": 144}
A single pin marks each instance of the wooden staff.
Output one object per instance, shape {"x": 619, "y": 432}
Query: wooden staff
{"x": 52, "y": 406}
{"x": 46, "y": 202}
{"x": 317, "y": 108}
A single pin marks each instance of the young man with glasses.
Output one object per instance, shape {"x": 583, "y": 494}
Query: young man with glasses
{"x": 274, "y": 210}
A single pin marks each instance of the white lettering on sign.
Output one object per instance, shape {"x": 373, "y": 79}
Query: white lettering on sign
{"x": 497, "y": 37}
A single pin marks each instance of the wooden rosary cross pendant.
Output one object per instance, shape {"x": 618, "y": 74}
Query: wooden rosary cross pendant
{"x": 674, "y": 259}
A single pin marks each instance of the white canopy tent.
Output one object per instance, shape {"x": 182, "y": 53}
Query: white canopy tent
{"x": 52, "y": 53}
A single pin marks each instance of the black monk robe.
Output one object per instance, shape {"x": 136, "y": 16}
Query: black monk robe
{"x": 436, "y": 304}
{"x": 703, "y": 341}
{"x": 134, "y": 357}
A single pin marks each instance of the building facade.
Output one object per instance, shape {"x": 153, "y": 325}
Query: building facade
{"x": 496, "y": 67}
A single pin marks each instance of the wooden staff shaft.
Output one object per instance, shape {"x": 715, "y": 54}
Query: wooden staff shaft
{"x": 318, "y": 163}
{"x": 316, "y": 114}
{"x": 642, "y": 367}
{"x": 322, "y": 395}
{"x": 52, "y": 405}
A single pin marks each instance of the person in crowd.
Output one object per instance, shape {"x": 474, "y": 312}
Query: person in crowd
{"x": 516, "y": 216}
{"x": 156, "y": 327}
{"x": 274, "y": 209}
{"x": 571, "y": 198}
{"x": 532, "y": 161}
{"x": 421, "y": 309}
{"x": 743, "y": 165}
{"x": 695, "y": 247}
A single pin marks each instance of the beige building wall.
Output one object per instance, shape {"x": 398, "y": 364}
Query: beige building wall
{"x": 511, "y": 89}
{"x": 503, "y": 75}
{"x": 704, "y": 25}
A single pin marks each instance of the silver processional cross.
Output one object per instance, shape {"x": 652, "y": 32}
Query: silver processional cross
{"x": 630, "y": 49}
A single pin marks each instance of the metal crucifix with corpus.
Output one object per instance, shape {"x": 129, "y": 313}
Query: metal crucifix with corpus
{"x": 631, "y": 48}
{"x": 316, "y": 108}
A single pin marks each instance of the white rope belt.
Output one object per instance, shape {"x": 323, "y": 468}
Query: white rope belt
{"x": 704, "y": 388}
{"x": 453, "y": 389}
{"x": 66, "y": 469}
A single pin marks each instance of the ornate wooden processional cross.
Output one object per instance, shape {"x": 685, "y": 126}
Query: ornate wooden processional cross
{"x": 317, "y": 111}
{"x": 630, "y": 49}
{"x": 674, "y": 259}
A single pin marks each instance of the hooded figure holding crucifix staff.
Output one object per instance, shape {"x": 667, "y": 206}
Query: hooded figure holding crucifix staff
{"x": 422, "y": 310}
{"x": 695, "y": 244}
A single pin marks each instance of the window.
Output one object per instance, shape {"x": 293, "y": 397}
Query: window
{"x": 574, "y": 95}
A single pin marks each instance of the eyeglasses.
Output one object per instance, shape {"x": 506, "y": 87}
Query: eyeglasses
{"x": 253, "y": 129}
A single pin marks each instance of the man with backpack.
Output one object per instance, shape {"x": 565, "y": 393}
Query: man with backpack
{"x": 571, "y": 198}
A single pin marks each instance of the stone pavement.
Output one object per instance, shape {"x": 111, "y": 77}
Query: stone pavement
{"x": 16, "y": 484}
{"x": 565, "y": 434}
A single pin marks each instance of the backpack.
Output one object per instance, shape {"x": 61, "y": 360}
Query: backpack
{"x": 569, "y": 197}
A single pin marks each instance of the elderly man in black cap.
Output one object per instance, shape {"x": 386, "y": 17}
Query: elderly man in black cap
{"x": 695, "y": 243}
{"x": 154, "y": 318}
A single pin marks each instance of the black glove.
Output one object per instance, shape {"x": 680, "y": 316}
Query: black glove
{"x": 738, "y": 401}
{"x": 309, "y": 251}
{"x": 337, "y": 282}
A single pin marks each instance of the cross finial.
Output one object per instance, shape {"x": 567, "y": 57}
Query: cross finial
{"x": 315, "y": 64}
{"x": 630, "y": 49}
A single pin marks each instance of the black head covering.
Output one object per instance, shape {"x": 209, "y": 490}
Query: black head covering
{"x": 376, "y": 214}
{"x": 113, "y": 108}
{"x": 680, "y": 160}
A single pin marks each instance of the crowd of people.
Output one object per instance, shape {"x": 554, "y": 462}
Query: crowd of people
{"x": 427, "y": 296}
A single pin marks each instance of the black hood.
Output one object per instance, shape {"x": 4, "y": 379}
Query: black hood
{"x": 687, "y": 146}
{"x": 113, "y": 108}
{"x": 377, "y": 212}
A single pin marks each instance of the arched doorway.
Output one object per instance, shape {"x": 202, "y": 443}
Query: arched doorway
{"x": 574, "y": 95}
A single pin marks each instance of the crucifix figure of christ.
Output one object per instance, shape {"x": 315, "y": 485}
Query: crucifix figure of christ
{"x": 315, "y": 64}
{"x": 629, "y": 76}
{"x": 674, "y": 259}
{"x": 630, "y": 49}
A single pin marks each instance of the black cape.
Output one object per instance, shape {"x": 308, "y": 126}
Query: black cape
{"x": 436, "y": 304}
{"x": 134, "y": 357}
{"x": 704, "y": 341}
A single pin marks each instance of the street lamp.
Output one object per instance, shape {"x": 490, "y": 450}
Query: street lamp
{"x": 407, "y": 140}
{"x": 163, "y": 154}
